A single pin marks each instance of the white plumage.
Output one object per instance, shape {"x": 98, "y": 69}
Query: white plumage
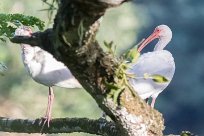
{"x": 45, "y": 69}
{"x": 152, "y": 63}
{"x": 158, "y": 62}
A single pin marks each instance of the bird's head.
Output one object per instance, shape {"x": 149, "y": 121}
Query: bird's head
{"x": 23, "y": 31}
{"x": 161, "y": 32}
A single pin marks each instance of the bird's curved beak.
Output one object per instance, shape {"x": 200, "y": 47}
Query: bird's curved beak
{"x": 153, "y": 36}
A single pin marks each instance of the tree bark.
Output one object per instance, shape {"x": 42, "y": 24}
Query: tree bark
{"x": 72, "y": 41}
{"x": 60, "y": 125}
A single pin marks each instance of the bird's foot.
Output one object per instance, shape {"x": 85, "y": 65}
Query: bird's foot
{"x": 45, "y": 120}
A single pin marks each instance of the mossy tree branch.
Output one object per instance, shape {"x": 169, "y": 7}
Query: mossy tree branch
{"x": 60, "y": 125}
{"x": 72, "y": 41}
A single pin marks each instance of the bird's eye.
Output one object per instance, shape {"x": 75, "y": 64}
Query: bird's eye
{"x": 157, "y": 30}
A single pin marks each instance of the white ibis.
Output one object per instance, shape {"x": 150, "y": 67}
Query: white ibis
{"x": 45, "y": 69}
{"x": 158, "y": 62}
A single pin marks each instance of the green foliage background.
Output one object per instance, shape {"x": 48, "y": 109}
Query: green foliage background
{"x": 21, "y": 97}
{"x": 9, "y": 23}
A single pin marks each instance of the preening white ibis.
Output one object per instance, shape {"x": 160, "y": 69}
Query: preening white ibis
{"x": 45, "y": 69}
{"x": 158, "y": 62}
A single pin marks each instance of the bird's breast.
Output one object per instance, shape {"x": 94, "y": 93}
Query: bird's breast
{"x": 46, "y": 70}
{"x": 33, "y": 66}
{"x": 152, "y": 63}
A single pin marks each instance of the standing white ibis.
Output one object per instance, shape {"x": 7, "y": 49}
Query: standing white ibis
{"x": 45, "y": 69}
{"x": 158, "y": 62}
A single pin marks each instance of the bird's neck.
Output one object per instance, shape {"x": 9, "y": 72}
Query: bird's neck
{"x": 27, "y": 52}
{"x": 161, "y": 44}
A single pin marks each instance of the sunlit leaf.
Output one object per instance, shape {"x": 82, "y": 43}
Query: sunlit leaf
{"x": 159, "y": 78}
{"x": 156, "y": 78}
{"x": 132, "y": 55}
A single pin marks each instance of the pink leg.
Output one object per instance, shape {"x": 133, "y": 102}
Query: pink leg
{"x": 153, "y": 101}
{"x": 48, "y": 114}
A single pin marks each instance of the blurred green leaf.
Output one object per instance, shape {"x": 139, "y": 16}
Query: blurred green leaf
{"x": 108, "y": 45}
{"x": 132, "y": 55}
{"x": 156, "y": 78}
{"x": 9, "y": 23}
{"x": 111, "y": 48}
{"x": 111, "y": 86}
{"x": 3, "y": 68}
{"x": 186, "y": 133}
{"x": 159, "y": 78}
